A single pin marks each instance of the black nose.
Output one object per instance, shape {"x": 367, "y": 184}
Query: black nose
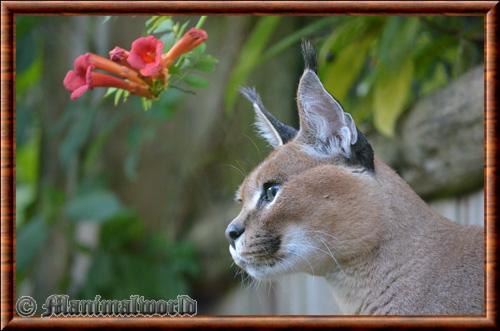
{"x": 233, "y": 232}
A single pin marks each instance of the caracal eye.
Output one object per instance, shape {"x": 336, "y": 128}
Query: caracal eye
{"x": 270, "y": 191}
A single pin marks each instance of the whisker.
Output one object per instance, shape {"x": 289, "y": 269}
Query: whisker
{"x": 324, "y": 234}
{"x": 329, "y": 253}
{"x": 303, "y": 258}
{"x": 254, "y": 144}
{"x": 333, "y": 257}
{"x": 241, "y": 166}
{"x": 234, "y": 167}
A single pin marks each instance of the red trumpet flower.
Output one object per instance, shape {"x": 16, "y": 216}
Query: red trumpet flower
{"x": 190, "y": 40}
{"x": 145, "y": 56}
{"x": 102, "y": 63}
{"x": 119, "y": 55}
{"x": 76, "y": 80}
{"x": 142, "y": 71}
{"x": 83, "y": 78}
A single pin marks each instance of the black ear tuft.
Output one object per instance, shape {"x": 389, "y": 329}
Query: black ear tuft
{"x": 362, "y": 153}
{"x": 310, "y": 57}
{"x": 251, "y": 94}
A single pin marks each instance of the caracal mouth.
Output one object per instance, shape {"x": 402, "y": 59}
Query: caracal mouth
{"x": 259, "y": 271}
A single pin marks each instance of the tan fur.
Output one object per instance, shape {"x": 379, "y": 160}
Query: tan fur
{"x": 382, "y": 248}
{"x": 395, "y": 255}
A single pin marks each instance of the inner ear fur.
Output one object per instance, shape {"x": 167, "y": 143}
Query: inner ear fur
{"x": 269, "y": 127}
{"x": 324, "y": 126}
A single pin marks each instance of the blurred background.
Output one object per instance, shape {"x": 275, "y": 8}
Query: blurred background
{"x": 115, "y": 201}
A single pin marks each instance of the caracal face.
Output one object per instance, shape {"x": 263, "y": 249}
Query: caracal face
{"x": 306, "y": 207}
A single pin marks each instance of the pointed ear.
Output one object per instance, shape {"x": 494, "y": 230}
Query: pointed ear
{"x": 269, "y": 127}
{"x": 325, "y": 129}
{"x": 323, "y": 123}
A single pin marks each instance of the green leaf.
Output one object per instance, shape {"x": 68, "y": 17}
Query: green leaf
{"x": 338, "y": 76}
{"x": 25, "y": 195}
{"x": 151, "y": 20}
{"x": 361, "y": 109}
{"x": 95, "y": 206}
{"x": 26, "y": 24}
{"x": 206, "y": 63}
{"x": 78, "y": 133}
{"x": 110, "y": 91}
{"x": 398, "y": 40}
{"x": 154, "y": 22}
{"x": 126, "y": 94}
{"x": 467, "y": 55}
{"x": 201, "y": 21}
{"x": 437, "y": 80}
{"x": 168, "y": 39}
{"x": 52, "y": 201}
{"x": 182, "y": 29}
{"x": 164, "y": 26}
{"x": 296, "y": 37}
{"x": 29, "y": 77}
{"x": 27, "y": 159}
{"x": 350, "y": 30}
{"x": 96, "y": 145}
{"x": 195, "y": 81}
{"x": 429, "y": 50}
{"x": 30, "y": 239}
{"x": 249, "y": 57}
{"x": 146, "y": 103}
{"x": 199, "y": 50}
{"x": 118, "y": 95}
{"x": 390, "y": 95}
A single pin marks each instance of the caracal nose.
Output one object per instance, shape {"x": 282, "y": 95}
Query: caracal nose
{"x": 233, "y": 232}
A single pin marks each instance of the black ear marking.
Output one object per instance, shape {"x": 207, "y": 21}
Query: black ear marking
{"x": 310, "y": 57}
{"x": 362, "y": 153}
{"x": 285, "y": 132}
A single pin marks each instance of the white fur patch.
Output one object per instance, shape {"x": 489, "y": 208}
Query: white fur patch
{"x": 255, "y": 199}
{"x": 237, "y": 195}
{"x": 265, "y": 129}
{"x": 331, "y": 147}
{"x": 317, "y": 122}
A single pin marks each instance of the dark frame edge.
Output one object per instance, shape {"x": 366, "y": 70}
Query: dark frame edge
{"x": 10, "y": 8}
{"x": 7, "y": 167}
{"x": 491, "y": 156}
{"x": 292, "y": 7}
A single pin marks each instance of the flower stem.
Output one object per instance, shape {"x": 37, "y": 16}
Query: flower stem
{"x": 102, "y": 80}
{"x": 115, "y": 68}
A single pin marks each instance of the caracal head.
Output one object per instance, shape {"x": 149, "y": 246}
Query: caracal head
{"x": 307, "y": 207}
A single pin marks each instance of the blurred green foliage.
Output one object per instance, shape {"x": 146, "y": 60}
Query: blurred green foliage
{"x": 249, "y": 56}
{"x": 131, "y": 260}
{"x": 375, "y": 66}
{"x": 128, "y": 258}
